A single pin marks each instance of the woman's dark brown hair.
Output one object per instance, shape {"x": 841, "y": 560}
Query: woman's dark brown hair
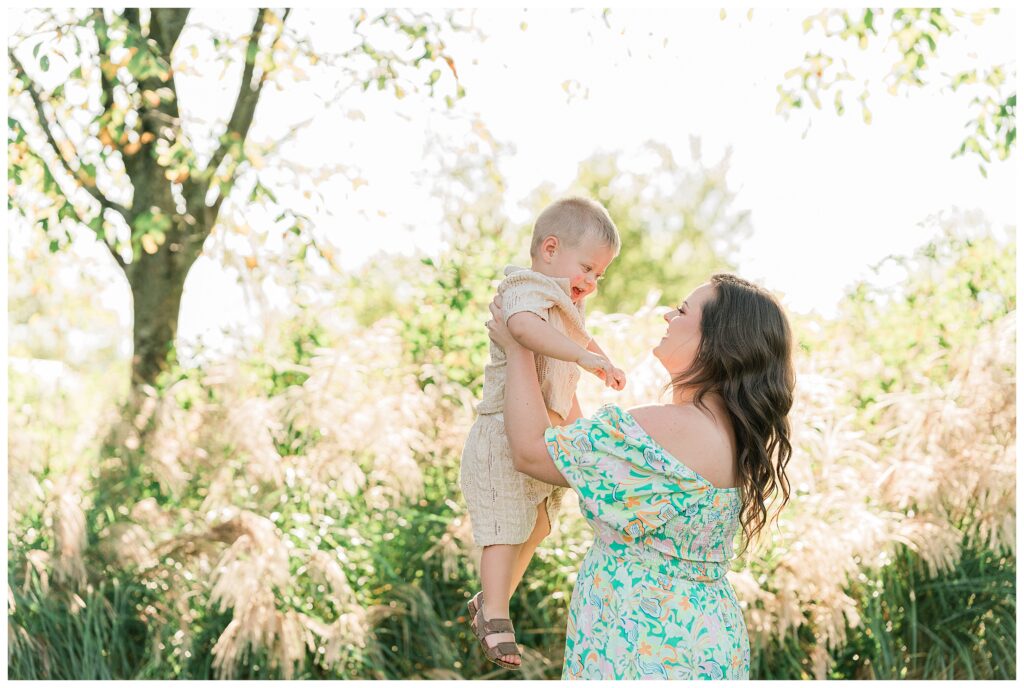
{"x": 745, "y": 357}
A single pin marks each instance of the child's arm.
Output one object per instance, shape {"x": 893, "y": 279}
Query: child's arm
{"x": 537, "y": 335}
{"x": 618, "y": 377}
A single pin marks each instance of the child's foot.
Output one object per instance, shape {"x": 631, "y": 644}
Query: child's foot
{"x": 496, "y": 635}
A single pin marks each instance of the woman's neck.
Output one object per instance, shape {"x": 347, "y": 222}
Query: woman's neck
{"x": 686, "y": 396}
{"x": 683, "y": 395}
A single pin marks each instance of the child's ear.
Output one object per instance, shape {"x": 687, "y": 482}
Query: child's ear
{"x": 549, "y": 246}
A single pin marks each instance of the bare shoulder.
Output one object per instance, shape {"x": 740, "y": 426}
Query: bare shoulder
{"x": 672, "y": 417}
{"x": 692, "y": 436}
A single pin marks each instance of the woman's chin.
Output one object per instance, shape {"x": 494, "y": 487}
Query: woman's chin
{"x": 658, "y": 355}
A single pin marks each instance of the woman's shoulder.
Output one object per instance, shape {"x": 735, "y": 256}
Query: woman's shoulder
{"x": 672, "y": 415}
{"x": 692, "y": 436}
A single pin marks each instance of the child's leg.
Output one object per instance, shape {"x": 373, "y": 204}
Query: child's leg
{"x": 496, "y": 568}
{"x": 541, "y": 529}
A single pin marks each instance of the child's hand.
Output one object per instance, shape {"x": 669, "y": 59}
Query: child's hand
{"x": 618, "y": 379}
{"x": 601, "y": 367}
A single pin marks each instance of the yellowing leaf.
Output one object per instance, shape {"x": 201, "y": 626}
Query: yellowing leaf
{"x": 359, "y": 181}
{"x": 451, "y": 66}
{"x": 149, "y": 244}
{"x": 722, "y": 14}
{"x": 251, "y": 262}
{"x": 109, "y": 69}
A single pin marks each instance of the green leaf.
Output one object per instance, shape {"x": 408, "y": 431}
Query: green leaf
{"x": 35, "y": 50}
{"x": 19, "y": 131}
{"x": 44, "y": 63}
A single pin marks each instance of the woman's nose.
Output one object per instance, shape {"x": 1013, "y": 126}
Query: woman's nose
{"x": 668, "y": 316}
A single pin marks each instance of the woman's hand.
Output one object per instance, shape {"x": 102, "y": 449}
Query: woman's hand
{"x": 497, "y": 329}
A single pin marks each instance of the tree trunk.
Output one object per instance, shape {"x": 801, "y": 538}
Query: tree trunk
{"x": 157, "y": 282}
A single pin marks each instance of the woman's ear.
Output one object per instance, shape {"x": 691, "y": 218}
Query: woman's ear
{"x": 549, "y": 247}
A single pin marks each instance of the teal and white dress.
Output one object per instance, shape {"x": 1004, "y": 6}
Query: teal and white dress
{"x": 651, "y": 599}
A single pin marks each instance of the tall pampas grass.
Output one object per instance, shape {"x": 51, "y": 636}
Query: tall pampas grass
{"x": 295, "y": 513}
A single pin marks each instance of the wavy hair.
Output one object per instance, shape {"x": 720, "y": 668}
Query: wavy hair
{"x": 745, "y": 356}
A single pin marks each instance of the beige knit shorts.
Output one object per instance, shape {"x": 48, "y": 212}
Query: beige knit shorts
{"x": 502, "y": 501}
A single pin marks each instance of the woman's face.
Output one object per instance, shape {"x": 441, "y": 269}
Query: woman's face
{"x": 678, "y": 348}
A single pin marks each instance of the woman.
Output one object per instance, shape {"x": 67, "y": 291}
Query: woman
{"x": 666, "y": 487}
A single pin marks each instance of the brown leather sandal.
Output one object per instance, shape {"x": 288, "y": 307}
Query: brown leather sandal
{"x": 486, "y": 627}
{"x": 475, "y": 602}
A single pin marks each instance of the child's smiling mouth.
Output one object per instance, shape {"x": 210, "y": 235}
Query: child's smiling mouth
{"x": 576, "y": 293}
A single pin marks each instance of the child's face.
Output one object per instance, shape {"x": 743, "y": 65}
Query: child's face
{"x": 582, "y": 264}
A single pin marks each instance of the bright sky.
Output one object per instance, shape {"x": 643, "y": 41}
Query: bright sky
{"x": 823, "y": 206}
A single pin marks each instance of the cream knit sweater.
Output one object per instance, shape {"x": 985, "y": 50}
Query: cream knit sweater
{"x": 526, "y": 290}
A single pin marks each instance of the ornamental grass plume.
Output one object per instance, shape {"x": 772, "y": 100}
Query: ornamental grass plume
{"x": 276, "y": 470}
{"x": 245, "y": 580}
{"x": 65, "y": 515}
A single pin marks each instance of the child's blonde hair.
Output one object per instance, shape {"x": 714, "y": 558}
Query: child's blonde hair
{"x": 570, "y": 219}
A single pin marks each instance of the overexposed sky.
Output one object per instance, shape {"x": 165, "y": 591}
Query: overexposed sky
{"x": 823, "y": 206}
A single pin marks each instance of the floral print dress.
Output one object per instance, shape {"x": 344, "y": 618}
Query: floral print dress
{"x": 651, "y": 600}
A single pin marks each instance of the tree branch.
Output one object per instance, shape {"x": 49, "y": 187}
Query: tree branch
{"x": 165, "y": 26}
{"x": 245, "y": 106}
{"x": 248, "y": 97}
{"x": 79, "y": 176}
{"x": 75, "y": 215}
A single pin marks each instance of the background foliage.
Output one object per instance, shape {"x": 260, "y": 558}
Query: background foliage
{"x": 291, "y": 510}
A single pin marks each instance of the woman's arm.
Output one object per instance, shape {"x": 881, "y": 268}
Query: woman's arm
{"x": 526, "y": 417}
